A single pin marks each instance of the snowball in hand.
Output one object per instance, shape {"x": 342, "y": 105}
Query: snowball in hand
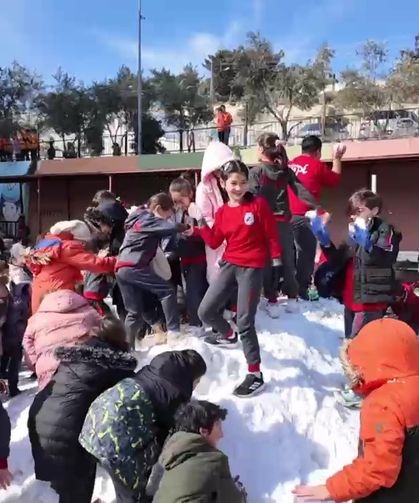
{"x": 194, "y": 211}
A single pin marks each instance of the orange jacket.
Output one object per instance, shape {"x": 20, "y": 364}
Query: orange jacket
{"x": 224, "y": 120}
{"x": 57, "y": 262}
{"x": 385, "y": 356}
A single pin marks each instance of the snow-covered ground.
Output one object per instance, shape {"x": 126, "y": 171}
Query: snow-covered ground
{"x": 294, "y": 432}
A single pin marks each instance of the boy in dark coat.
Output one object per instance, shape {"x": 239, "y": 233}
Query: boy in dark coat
{"x": 363, "y": 276}
{"x": 59, "y": 410}
{"x": 194, "y": 469}
{"x": 127, "y": 425}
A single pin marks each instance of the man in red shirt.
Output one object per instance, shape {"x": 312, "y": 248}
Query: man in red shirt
{"x": 314, "y": 175}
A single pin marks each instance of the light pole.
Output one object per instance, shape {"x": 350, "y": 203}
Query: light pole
{"x": 140, "y": 80}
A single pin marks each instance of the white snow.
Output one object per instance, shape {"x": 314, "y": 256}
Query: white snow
{"x": 295, "y": 431}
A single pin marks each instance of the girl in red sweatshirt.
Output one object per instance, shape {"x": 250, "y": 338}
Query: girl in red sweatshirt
{"x": 247, "y": 225}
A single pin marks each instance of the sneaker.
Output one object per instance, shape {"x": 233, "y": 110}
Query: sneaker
{"x": 273, "y": 309}
{"x": 292, "y": 306}
{"x": 251, "y": 385}
{"x": 197, "y": 332}
{"x": 221, "y": 341}
{"x": 313, "y": 294}
{"x": 350, "y": 399}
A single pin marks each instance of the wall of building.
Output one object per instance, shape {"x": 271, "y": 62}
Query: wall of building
{"x": 397, "y": 182}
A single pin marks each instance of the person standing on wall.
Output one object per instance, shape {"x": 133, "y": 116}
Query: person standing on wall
{"x": 314, "y": 175}
{"x": 224, "y": 121}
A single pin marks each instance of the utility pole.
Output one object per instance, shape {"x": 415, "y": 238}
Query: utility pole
{"x": 212, "y": 81}
{"x": 140, "y": 81}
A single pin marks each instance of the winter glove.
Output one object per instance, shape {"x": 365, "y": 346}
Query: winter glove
{"x": 319, "y": 228}
{"x": 358, "y": 232}
{"x": 276, "y": 262}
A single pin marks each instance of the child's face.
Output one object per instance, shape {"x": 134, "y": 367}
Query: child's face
{"x": 236, "y": 187}
{"x": 11, "y": 211}
{"x": 181, "y": 200}
{"x": 159, "y": 212}
{"x": 365, "y": 213}
{"x": 216, "y": 434}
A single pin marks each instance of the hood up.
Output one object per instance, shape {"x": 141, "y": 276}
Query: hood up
{"x": 383, "y": 350}
{"x": 215, "y": 156}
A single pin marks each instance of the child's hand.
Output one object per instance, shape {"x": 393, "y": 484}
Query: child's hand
{"x": 319, "y": 228}
{"x": 359, "y": 233}
{"x": 312, "y": 493}
{"x": 339, "y": 150}
{"x": 189, "y": 232}
{"x": 194, "y": 212}
{"x": 5, "y": 478}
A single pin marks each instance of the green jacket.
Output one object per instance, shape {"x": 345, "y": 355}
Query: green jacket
{"x": 195, "y": 472}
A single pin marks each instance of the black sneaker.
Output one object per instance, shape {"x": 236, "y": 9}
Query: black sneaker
{"x": 252, "y": 385}
{"x": 222, "y": 342}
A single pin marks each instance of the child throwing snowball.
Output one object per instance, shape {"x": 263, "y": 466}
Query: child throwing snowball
{"x": 247, "y": 225}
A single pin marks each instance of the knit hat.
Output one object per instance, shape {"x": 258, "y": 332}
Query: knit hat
{"x": 215, "y": 156}
{"x": 77, "y": 228}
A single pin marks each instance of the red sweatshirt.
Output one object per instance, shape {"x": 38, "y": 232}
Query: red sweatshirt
{"x": 314, "y": 175}
{"x": 249, "y": 230}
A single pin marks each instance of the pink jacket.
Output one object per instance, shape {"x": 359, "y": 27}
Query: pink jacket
{"x": 209, "y": 199}
{"x": 64, "y": 318}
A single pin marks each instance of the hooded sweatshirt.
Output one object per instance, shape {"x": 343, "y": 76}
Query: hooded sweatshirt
{"x": 209, "y": 198}
{"x": 383, "y": 362}
{"x": 58, "y": 259}
{"x": 64, "y": 318}
{"x": 144, "y": 231}
{"x": 195, "y": 472}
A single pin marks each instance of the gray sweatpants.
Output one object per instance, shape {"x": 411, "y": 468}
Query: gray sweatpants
{"x": 133, "y": 282}
{"x": 306, "y": 245}
{"x": 270, "y": 281}
{"x": 249, "y": 283}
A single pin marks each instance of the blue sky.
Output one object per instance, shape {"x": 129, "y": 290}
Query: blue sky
{"x": 93, "y": 38}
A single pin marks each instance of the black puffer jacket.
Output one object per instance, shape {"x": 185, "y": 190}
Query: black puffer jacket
{"x": 59, "y": 410}
{"x": 168, "y": 382}
{"x": 374, "y": 276}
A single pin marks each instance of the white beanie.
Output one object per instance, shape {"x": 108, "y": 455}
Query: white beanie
{"x": 215, "y": 156}
{"x": 77, "y": 228}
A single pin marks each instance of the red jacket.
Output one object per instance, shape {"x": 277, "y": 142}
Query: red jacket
{"x": 57, "y": 262}
{"x": 314, "y": 175}
{"x": 249, "y": 230}
{"x": 224, "y": 120}
{"x": 384, "y": 359}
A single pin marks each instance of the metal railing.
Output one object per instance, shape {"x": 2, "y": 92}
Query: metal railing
{"x": 379, "y": 125}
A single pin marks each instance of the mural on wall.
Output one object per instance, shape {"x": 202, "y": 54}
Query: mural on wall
{"x": 11, "y": 207}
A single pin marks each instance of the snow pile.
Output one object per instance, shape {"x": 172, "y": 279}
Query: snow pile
{"x": 294, "y": 432}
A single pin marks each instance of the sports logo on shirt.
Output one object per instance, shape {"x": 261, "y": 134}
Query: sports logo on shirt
{"x": 298, "y": 169}
{"x": 249, "y": 218}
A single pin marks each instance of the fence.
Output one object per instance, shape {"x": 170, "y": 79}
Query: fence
{"x": 379, "y": 125}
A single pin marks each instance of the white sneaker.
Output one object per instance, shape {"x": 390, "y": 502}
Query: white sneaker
{"x": 174, "y": 336}
{"x": 273, "y": 309}
{"x": 292, "y": 306}
{"x": 197, "y": 332}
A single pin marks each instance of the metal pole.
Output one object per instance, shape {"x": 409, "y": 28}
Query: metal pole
{"x": 212, "y": 81}
{"x": 139, "y": 78}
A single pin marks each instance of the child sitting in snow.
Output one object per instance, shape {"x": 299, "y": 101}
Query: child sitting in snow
{"x": 194, "y": 468}
{"x": 382, "y": 364}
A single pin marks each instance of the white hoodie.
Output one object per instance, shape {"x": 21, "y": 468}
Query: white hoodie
{"x": 208, "y": 196}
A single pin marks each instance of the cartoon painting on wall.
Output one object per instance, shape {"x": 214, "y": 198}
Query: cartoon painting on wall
{"x": 11, "y": 208}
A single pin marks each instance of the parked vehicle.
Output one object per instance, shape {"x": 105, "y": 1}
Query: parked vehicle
{"x": 335, "y": 133}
